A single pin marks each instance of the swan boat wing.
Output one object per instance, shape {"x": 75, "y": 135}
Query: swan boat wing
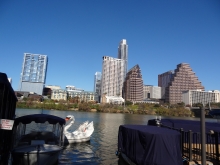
{"x": 81, "y": 134}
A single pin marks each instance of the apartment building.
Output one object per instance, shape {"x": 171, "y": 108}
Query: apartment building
{"x": 112, "y": 76}
{"x": 61, "y": 94}
{"x": 85, "y": 96}
{"x": 191, "y": 97}
{"x": 133, "y": 85}
{"x": 58, "y": 94}
{"x": 183, "y": 79}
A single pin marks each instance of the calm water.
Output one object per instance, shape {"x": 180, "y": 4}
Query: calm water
{"x": 103, "y": 144}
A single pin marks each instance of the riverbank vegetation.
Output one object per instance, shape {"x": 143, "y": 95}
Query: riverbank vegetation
{"x": 179, "y": 110}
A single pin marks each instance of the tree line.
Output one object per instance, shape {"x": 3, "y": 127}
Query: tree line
{"x": 179, "y": 110}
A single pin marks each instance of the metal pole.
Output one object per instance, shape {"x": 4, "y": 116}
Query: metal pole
{"x": 203, "y": 140}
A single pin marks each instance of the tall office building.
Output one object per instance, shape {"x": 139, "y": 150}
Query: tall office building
{"x": 112, "y": 76}
{"x": 133, "y": 85}
{"x": 163, "y": 81}
{"x": 165, "y": 78}
{"x": 183, "y": 79}
{"x": 97, "y": 86}
{"x": 123, "y": 54}
{"x": 33, "y": 75}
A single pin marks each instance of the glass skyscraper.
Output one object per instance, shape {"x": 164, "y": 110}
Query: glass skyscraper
{"x": 33, "y": 75}
{"x": 123, "y": 54}
{"x": 97, "y": 86}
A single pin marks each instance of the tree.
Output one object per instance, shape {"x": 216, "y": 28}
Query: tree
{"x": 197, "y": 105}
{"x": 128, "y": 103}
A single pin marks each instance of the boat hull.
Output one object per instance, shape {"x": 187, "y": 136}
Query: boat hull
{"x": 32, "y": 155}
{"x": 77, "y": 140}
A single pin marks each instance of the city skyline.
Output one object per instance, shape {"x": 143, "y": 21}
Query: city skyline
{"x": 75, "y": 35}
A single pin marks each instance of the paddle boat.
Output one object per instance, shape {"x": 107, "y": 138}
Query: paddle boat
{"x": 81, "y": 134}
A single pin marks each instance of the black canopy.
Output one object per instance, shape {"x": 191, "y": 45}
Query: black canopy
{"x": 39, "y": 118}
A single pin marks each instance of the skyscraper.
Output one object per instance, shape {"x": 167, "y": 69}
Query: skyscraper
{"x": 133, "y": 85}
{"x": 163, "y": 81}
{"x": 33, "y": 75}
{"x": 123, "y": 54}
{"x": 183, "y": 79}
{"x": 112, "y": 76}
{"x": 114, "y": 72}
{"x": 165, "y": 78}
{"x": 97, "y": 86}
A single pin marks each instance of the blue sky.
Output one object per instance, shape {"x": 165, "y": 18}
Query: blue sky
{"x": 75, "y": 34}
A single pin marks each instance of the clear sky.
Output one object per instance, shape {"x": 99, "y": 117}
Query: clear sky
{"x": 76, "y": 34}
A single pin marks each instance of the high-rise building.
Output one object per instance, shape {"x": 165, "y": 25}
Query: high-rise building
{"x": 163, "y": 81}
{"x": 183, "y": 79}
{"x": 112, "y": 76}
{"x": 123, "y": 54}
{"x": 33, "y": 75}
{"x": 165, "y": 78}
{"x": 133, "y": 85}
{"x": 97, "y": 86}
{"x": 114, "y": 71}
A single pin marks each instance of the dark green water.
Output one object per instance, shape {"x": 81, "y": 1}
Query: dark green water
{"x": 103, "y": 144}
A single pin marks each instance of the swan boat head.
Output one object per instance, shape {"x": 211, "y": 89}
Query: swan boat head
{"x": 70, "y": 118}
{"x": 69, "y": 122}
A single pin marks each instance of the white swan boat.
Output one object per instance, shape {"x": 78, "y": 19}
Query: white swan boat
{"x": 37, "y": 139}
{"x": 82, "y": 134}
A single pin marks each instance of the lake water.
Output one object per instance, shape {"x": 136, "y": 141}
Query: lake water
{"x": 100, "y": 150}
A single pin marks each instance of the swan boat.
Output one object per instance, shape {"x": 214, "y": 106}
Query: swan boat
{"x": 81, "y": 134}
{"x": 37, "y": 139}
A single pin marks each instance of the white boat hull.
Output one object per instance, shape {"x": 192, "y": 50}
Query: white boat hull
{"x": 30, "y": 155}
{"x": 77, "y": 140}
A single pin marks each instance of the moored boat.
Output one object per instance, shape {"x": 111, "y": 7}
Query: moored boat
{"x": 37, "y": 139}
{"x": 146, "y": 145}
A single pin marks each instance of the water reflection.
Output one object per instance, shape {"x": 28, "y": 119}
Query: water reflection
{"x": 78, "y": 153}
